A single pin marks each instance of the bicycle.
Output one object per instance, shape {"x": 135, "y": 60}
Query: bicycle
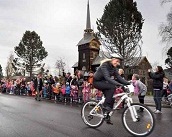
{"x": 135, "y": 122}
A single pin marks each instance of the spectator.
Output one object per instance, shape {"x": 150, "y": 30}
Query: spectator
{"x": 56, "y": 90}
{"x": 86, "y": 91}
{"x": 164, "y": 91}
{"x": 170, "y": 87}
{"x": 50, "y": 83}
{"x": 79, "y": 80}
{"x": 8, "y": 86}
{"x": 45, "y": 90}
{"x": 63, "y": 92}
{"x": 23, "y": 86}
{"x": 28, "y": 88}
{"x": 120, "y": 90}
{"x": 90, "y": 78}
{"x": 38, "y": 84}
{"x": 68, "y": 78}
{"x": 12, "y": 87}
{"x": 157, "y": 77}
{"x": 121, "y": 72}
{"x": 67, "y": 93}
{"x": 99, "y": 95}
{"x": 139, "y": 88}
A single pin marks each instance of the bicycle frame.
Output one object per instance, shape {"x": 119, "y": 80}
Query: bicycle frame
{"x": 123, "y": 96}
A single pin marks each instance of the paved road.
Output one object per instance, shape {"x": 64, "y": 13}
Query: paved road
{"x": 25, "y": 117}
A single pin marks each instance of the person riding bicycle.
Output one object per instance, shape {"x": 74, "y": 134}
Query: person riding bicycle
{"x": 106, "y": 79}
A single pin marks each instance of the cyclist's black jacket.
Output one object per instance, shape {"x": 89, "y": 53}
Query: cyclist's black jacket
{"x": 107, "y": 72}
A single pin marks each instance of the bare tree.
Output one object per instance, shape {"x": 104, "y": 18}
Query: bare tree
{"x": 165, "y": 1}
{"x": 10, "y": 69}
{"x": 165, "y": 31}
{"x": 60, "y": 64}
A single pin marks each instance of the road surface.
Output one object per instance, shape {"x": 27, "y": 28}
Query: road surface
{"x": 25, "y": 117}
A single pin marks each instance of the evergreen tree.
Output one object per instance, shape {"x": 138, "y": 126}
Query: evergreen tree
{"x": 31, "y": 51}
{"x": 120, "y": 29}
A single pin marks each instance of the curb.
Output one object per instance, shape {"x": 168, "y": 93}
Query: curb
{"x": 153, "y": 105}
{"x": 53, "y": 101}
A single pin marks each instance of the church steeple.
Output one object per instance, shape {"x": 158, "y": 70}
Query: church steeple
{"x": 88, "y": 48}
{"x": 88, "y": 21}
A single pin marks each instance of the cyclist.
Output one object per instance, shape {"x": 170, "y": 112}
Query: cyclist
{"x": 106, "y": 78}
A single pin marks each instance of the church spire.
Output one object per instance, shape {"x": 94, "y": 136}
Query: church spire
{"x": 88, "y": 21}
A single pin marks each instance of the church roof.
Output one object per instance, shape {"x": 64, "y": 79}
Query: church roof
{"x": 97, "y": 60}
{"x": 86, "y": 39}
{"x": 101, "y": 57}
{"x": 135, "y": 61}
{"x": 75, "y": 65}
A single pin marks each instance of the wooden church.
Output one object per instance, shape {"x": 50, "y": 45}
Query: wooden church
{"x": 88, "y": 48}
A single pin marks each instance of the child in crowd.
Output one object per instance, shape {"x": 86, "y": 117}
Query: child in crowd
{"x": 86, "y": 91}
{"x": 67, "y": 92}
{"x": 45, "y": 90}
{"x": 120, "y": 90}
{"x": 140, "y": 89}
{"x": 98, "y": 95}
{"x": 32, "y": 88}
{"x": 74, "y": 93}
{"x": 28, "y": 88}
{"x": 164, "y": 90}
{"x": 12, "y": 87}
{"x": 56, "y": 90}
{"x": 63, "y": 92}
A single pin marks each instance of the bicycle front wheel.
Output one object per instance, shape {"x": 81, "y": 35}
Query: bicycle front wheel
{"x": 92, "y": 115}
{"x": 144, "y": 122}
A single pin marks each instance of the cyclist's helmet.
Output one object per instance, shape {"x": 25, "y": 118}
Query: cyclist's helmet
{"x": 116, "y": 56}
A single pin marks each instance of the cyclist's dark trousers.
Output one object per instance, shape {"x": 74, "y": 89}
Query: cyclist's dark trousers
{"x": 108, "y": 91}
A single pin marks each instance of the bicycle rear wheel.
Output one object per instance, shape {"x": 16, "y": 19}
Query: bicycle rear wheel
{"x": 145, "y": 121}
{"x": 94, "y": 119}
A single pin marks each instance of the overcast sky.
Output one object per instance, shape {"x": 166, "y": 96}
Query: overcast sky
{"x": 61, "y": 23}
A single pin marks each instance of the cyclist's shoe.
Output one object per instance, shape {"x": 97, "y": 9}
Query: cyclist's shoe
{"x": 108, "y": 120}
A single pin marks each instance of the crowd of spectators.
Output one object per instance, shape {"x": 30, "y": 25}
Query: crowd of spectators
{"x": 68, "y": 88}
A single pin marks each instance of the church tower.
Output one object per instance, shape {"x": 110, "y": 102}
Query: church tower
{"x": 88, "y": 47}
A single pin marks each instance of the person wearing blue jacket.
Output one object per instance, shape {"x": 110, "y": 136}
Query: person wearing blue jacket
{"x": 67, "y": 95}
